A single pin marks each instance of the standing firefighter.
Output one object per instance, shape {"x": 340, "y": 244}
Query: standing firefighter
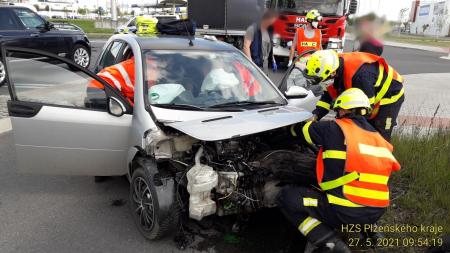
{"x": 307, "y": 38}
{"x": 353, "y": 169}
{"x": 368, "y": 72}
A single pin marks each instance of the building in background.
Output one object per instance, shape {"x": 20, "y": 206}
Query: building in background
{"x": 430, "y": 18}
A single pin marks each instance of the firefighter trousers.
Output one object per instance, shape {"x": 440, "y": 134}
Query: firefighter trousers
{"x": 308, "y": 209}
{"x": 386, "y": 119}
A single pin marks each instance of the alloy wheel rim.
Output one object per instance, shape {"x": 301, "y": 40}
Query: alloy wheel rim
{"x": 81, "y": 57}
{"x": 2, "y": 72}
{"x": 143, "y": 204}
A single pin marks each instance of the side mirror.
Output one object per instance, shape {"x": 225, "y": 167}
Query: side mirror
{"x": 50, "y": 26}
{"x": 47, "y": 26}
{"x": 115, "y": 107}
{"x": 353, "y": 7}
{"x": 296, "y": 92}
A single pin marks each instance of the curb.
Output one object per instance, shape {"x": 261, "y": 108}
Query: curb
{"x": 5, "y": 125}
{"x": 415, "y": 46}
{"x": 391, "y": 43}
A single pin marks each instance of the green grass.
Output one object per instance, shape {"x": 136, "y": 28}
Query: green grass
{"x": 421, "y": 189}
{"x": 420, "y": 40}
{"x": 87, "y": 25}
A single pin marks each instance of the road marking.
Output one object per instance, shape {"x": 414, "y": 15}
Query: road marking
{"x": 5, "y": 125}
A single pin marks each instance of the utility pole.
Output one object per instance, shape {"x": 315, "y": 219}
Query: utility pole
{"x": 113, "y": 10}
{"x": 113, "y": 13}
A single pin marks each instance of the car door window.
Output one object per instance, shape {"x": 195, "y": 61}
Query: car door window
{"x": 110, "y": 56}
{"x": 125, "y": 54}
{"x": 7, "y": 21}
{"x": 132, "y": 23}
{"x": 29, "y": 19}
{"x": 46, "y": 80}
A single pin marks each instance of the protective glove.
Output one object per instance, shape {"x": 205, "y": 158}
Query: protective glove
{"x": 289, "y": 63}
{"x": 274, "y": 66}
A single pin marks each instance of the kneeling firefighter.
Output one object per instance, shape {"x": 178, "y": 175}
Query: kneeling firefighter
{"x": 368, "y": 72}
{"x": 353, "y": 168}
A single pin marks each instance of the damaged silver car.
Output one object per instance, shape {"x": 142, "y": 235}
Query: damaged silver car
{"x": 206, "y": 134}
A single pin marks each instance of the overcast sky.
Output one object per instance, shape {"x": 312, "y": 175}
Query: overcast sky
{"x": 388, "y": 8}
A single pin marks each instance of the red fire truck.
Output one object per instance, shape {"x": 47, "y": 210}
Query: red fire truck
{"x": 292, "y": 16}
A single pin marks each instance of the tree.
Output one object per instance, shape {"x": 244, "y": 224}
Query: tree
{"x": 100, "y": 11}
{"x": 425, "y": 27}
{"x": 82, "y": 11}
{"x": 441, "y": 21}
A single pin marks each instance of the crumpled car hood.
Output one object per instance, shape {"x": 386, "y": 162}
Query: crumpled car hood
{"x": 235, "y": 124}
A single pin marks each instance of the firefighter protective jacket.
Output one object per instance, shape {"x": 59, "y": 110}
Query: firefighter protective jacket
{"x": 368, "y": 72}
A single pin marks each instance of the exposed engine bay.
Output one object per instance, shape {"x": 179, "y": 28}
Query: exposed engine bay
{"x": 234, "y": 176}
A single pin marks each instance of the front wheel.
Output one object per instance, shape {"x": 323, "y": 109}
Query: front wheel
{"x": 81, "y": 56}
{"x": 148, "y": 215}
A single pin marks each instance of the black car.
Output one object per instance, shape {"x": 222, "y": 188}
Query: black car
{"x": 22, "y": 27}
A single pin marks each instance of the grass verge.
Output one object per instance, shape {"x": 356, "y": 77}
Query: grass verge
{"x": 420, "y": 190}
{"x": 419, "y": 40}
{"x": 87, "y": 25}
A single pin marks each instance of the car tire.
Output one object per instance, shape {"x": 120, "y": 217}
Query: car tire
{"x": 81, "y": 56}
{"x": 2, "y": 74}
{"x": 145, "y": 206}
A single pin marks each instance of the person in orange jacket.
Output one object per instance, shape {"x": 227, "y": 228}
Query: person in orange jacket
{"x": 307, "y": 38}
{"x": 122, "y": 76}
{"x": 353, "y": 168}
{"x": 368, "y": 72}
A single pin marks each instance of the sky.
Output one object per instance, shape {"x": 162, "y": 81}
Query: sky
{"x": 388, "y": 8}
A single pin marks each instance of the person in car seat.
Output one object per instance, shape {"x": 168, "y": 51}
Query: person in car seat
{"x": 353, "y": 168}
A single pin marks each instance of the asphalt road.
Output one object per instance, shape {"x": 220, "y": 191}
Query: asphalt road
{"x": 73, "y": 214}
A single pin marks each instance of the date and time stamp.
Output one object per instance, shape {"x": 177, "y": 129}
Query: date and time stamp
{"x": 395, "y": 235}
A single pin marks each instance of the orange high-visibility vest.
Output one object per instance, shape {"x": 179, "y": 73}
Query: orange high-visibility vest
{"x": 120, "y": 76}
{"x": 353, "y": 62}
{"x": 304, "y": 43}
{"x": 368, "y": 166}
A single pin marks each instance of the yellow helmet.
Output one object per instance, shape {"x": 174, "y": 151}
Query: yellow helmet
{"x": 313, "y": 15}
{"x": 322, "y": 64}
{"x": 351, "y": 99}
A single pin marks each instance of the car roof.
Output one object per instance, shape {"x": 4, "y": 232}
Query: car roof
{"x": 181, "y": 43}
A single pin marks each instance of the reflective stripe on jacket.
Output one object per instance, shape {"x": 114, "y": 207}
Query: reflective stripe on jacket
{"x": 368, "y": 166}
{"x": 304, "y": 43}
{"x": 353, "y": 62}
{"x": 120, "y": 76}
